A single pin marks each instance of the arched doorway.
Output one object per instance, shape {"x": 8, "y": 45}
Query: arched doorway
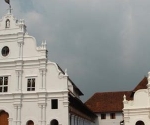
{"x": 30, "y": 122}
{"x": 3, "y": 118}
{"x": 54, "y": 122}
{"x": 139, "y": 123}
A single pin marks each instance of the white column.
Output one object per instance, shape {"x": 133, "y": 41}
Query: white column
{"x": 10, "y": 121}
{"x": 41, "y": 77}
{"x": 41, "y": 115}
{"x": 19, "y": 49}
{"x": 16, "y": 114}
{"x": 44, "y": 114}
{"x": 19, "y": 115}
{"x": 79, "y": 121}
{"x": 20, "y": 80}
{"x": 22, "y": 50}
{"x": 44, "y": 79}
{"x": 20, "y": 43}
{"x": 17, "y": 74}
{"x": 70, "y": 119}
{"x": 83, "y": 121}
{"x": 74, "y": 120}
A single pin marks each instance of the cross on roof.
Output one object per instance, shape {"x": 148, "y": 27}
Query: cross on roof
{"x": 9, "y": 9}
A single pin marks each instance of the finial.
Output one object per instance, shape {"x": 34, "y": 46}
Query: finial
{"x": 124, "y": 98}
{"x": 45, "y": 45}
{"x": 148, "y": 78}
{"x": 148, "y": 74}
{"x": 42, "y": 44}
{"x": 66, "y": 72}
{"x": 45, "y": 42}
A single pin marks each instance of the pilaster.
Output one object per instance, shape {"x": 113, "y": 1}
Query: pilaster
{"x": 42, "y": 117}
{"x": 10, "y": 121}
{"x": 19, "y": 80}
{"x": 43, "y": 79}
{"x": 17, "y": 108}
{"x": 20, "y": 44}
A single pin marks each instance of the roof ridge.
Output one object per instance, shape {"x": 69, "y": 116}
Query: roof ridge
{"x": 139, "y": 84}
{"x": 111, "y": 92}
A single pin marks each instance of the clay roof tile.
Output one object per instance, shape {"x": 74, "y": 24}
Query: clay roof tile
{"x": 112, "y": 101}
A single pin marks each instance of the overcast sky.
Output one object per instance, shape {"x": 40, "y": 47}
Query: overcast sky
{"x": 104, "y": 44}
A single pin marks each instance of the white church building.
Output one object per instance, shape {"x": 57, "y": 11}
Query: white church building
{"x": 34, "y": 90}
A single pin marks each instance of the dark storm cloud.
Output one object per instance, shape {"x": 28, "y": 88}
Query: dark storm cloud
{"x": 104, "y": 44}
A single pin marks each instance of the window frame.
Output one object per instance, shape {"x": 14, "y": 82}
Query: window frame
{"x": 112, "y": 115}
{"x": 103, "y": 115}
{"x": 31, "y": 86}
{"x": 4, "y": 85}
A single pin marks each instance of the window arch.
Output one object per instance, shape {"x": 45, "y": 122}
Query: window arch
{"x": 30, "y": 122}
{"x": 139, "y": 123}
{"x": 54, "y": 122}
{"x": 7, "y": 23}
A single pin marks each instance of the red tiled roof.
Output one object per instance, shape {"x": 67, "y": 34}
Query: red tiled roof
{"x": 112, "y": 101}
{"x": 107, "y": 101}
{"x": 141, "y": 85}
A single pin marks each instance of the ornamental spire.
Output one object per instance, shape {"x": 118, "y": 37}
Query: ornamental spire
{"x": 8, "y": 2}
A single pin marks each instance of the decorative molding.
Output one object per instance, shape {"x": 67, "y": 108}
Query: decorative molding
{"x": 31, "y": 76}
{"x": 5, "y": 74}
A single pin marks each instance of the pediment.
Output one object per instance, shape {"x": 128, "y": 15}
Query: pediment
{"x": 10, "y": 25}
{"x": 141, "y": 98}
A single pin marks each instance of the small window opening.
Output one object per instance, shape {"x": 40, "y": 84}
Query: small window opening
{"x": 112, "y": 116}
{"x": 103, "y": 116}
{"x": 7, "y": 23}
{"x": 54, "y": 103}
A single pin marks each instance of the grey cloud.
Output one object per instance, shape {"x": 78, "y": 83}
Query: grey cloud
{"x": 104, "y": 44}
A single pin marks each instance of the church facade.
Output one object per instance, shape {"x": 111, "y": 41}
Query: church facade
{"x": 34, "y": 90}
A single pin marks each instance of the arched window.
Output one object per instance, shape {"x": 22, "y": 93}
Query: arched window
{"x": 7, "y": 23}
{"x": 30, "y": 122}
{"x": 139, "y": 123}
{"x": 54, "y": 122}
